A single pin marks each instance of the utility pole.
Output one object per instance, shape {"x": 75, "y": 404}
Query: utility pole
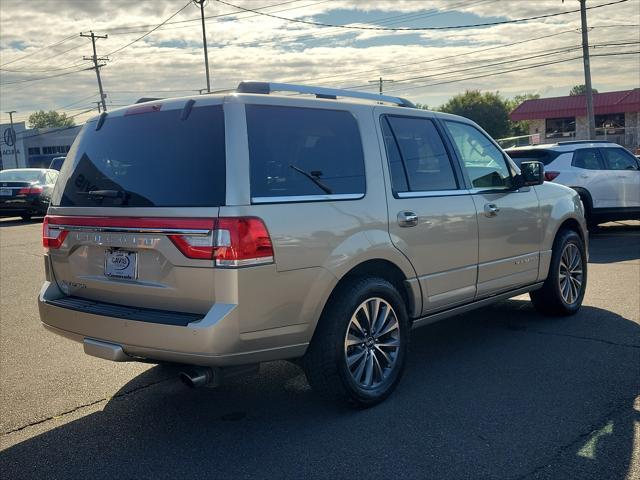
{"x": 13, "y": 137}
{"x": 587, "y": 71}
{"x": 381, "y": 83}
{"x": 204, "y": 42}
{"x": 99, "y": 104}
{"x": 96, "y": 65}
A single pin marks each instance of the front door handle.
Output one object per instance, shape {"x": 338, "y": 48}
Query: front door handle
{"x": 491, "y": 209}
{"x": 584, "y": 175}
{"x": 407, "y": 219}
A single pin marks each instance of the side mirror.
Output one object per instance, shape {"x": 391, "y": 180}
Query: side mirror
{"x": 531, "y": 173}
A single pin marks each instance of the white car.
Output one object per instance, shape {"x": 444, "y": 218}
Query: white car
{"x": 606, "y": 175}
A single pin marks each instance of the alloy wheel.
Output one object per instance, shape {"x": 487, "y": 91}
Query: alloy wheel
{"x": 570, "y": 273}
{"x": 372, "y": 343}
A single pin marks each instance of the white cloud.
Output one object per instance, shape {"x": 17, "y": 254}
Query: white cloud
{"x": 249, "y": 46}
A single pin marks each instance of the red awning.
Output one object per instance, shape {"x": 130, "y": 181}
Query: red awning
{"x": 576, "y": 106}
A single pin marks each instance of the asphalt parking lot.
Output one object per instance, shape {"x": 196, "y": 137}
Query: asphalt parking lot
{"x": 502, "y": 393}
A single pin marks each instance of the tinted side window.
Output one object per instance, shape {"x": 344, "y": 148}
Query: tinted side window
{"x": 538, "y": 155}
{"x": 304, "y": 151}
{"x": 618, "y": 159}
{"x": 425, "y": 160}
{"x": 588, "y": 158}
{"x": 483, "y": 161}
{"x": 396, "y": 167}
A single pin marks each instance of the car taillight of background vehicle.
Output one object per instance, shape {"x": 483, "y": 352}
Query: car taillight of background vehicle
{"x": 234, "y": 242}
{"x": 30, "y": 191}
{"x": 52, "y": 235}
{"x": 549, "y": 176}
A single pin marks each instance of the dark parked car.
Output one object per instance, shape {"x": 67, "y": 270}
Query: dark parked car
{"x": 56, "y": 163}
{"x": 26, "y": 192}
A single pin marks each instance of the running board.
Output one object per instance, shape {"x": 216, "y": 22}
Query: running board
{"x": 436, "y": 317}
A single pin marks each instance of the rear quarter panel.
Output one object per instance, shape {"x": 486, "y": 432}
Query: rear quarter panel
{"x": 315, "y": 243}
{"x": 557, "y": 205}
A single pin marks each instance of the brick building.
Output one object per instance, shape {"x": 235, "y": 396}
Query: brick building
{"x": 556, "y": 119}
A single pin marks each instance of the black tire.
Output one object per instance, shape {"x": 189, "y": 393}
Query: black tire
{"x": 592, "y": 221}
{"x": 550, "y": 299}
{"x": 325, "y": 362}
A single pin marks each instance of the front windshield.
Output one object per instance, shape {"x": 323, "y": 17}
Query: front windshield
{"x": 20, "y": 175}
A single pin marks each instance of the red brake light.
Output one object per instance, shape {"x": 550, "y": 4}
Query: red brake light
{"x": 30, "y": 191}
{"x": 235, "y": 242}
{"x": 144, "y": 108}
{"x": 549, "y": 175}
{"x": 229, "y": 241}
{"x": 242, "y": 241}
{"x": 52, "y": 236}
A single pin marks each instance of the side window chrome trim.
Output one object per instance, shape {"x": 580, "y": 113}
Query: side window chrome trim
{"x": 432, "y": 193}
{"x": 308, "y": 198}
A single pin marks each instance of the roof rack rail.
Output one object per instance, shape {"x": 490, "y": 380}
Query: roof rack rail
{"x": 574, "y": 142}
{"x": 148, "y": 99}
{"x": 319, "y": 92}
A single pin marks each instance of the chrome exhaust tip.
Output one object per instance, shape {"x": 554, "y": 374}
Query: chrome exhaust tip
{"x": 195, "y": 377}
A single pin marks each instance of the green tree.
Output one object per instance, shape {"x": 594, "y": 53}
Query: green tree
{"x": 489, "y": 110}
{"x": 580, "y": 90}
{"x": 520, "y": 127}
{"x": 50, "y": 119}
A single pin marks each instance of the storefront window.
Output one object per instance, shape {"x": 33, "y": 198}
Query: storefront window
{"x": 560, "y": 127}
{"x": 610, "y": 124}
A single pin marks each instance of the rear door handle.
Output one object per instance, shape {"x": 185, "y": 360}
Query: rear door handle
{"x": 491, "y": 210}
{"x": 584, "y": 176}
{"x": 407, "y": 219}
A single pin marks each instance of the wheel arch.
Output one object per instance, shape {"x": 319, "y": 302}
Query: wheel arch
{"x": 585, "y": 195}
{"x": 570, "y": 224}
{"x": 379, "y": 268}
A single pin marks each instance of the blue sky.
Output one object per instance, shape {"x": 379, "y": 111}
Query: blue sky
{"x": 242, "y": 46}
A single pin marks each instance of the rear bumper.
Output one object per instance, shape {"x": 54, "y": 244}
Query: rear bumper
{"x": 22, "y": 206}
{"x": 215, "y": 340}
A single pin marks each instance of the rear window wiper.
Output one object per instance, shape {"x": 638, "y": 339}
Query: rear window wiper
{"x": 314, "y": 177}
{"x": 103, "y": 193}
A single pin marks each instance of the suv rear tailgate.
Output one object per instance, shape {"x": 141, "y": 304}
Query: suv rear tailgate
{"x": 158, "y": 275}
{"x": 135, "y": 183}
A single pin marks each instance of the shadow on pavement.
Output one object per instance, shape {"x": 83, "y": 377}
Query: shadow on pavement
{"x": 500, "y": 393}
{"x": 614, "y": 242}
{"x": 13, "y": 221}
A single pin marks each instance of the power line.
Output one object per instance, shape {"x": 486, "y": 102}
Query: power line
{"x": 220, "y": 15}
{"x": 447, "y": 57}
{"x": 558, "y": 51}
{"x": 44, "y": 78}
{"x": 149, "y": 32}
{"x": 365, "y": 73}
{"x": 409, "y": 29}
{"x": 48, "y": 59}
{"x": 528, "y": 67}
{"x": 39, "y": 50}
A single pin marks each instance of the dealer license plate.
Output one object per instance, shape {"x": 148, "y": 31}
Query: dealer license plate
{"x": 121, "y": 264}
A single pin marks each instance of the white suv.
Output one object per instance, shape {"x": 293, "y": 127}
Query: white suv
{"x": 606, "y": 175}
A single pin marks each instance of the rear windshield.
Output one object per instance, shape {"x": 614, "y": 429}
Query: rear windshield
{"x": 544, "y": 156}
{"x": 152, "y": 159}
{"x": 20, "y": 175}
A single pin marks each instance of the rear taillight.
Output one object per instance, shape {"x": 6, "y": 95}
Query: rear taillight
{"x": 228, "y": 241}
{"x": 550, "y": 175}
{"x": 234, "y": 242}
{"x": 52, "y": 235}
{"x": 30, "y": 191}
